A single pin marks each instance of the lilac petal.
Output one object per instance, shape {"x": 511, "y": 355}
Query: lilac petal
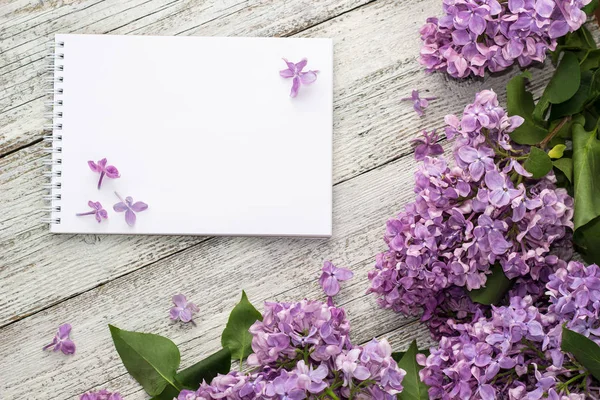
{"x": 103, "y": 213}
{"x": 68, "y": 347}
{"x": 130, "y": 217}
{"x": 91, "y": 204}
{"x": 291, "y": 66}
{"x": 112, "y": 172}
{"x": 468, "y": 154}
{"x": 139, "y": 206}
{"x": 64, "y": 330}
{"x": 544, "y": 7}
{"x": 328, "y": 267}
{"x": 477, "y": 24}
{"x": 93, "y": 166}
{"x": 120, "y": 207}
{"x": 361, "y": 373}
{"x": 295, "y": 87}
{"x": 308, "y": 77}
{"x": 476, "y": 169}
{"x": 174, "y": 313}
{"x": 286, "y": 73}
{"x": 494, "y": 180}
{"x": 343, "y": 274}
{"x": 185, "y": 315}
{"x": 499, "y": 198}
{"x": 98, "y": 218}
{"x": 331, "y": 286}
{"x": 558, "y": 29}
{"x": 487, "y": 392}
{"x": 102, "y": 163}
{"x": 301, "y": 64}
{"x": 179, "y": 300}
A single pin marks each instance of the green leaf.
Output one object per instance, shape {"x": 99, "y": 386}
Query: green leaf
{"x": 236, "y": 337}
{"x": 576, "y": 103}
{"x": 557, "y": 151}
{"x": 495, "y": 288}
{"x": 591, "y": 60}
{"x": 587, "y": 239}
{"x": 519, "y": 100}
{"x": 585, "y": 351}
{"x": 538, "y": 163}
{"x": 566, "y": 166}
{"x": 205, "y": 370}
{"x": 151, "y": 359}
{"x": 414, "y": 389}
{"x": 590, "y": 8}
{"x": 562, "y": 86}
{"x": 586, "y": 173}
{"x": 528, "y": 133}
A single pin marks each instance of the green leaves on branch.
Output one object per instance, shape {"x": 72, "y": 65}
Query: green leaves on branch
{"x": 520, "y": 102}
{"x": 562, "y": 86}
{"x": 495, "y": 288}
{"x": 236, "y": 337}
{"x": 585, "y": 351}
{"x": 414, "y": 389}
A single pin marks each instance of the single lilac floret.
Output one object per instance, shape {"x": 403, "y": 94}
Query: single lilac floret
{"x": 130, "y": 208}
{"x": 426, "y": 145}
{"x": 98, "y": 211}
{"x": 295, "y": 71}
{"x": 183, "y": 309}
{"x": 62, "y": 341}
{"x": 332, "y": 276}
{"x": 419, "y": 104}
{"x": 109, "y": 171}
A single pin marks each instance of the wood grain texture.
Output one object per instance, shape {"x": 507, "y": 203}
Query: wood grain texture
{"x": 91, "y": 281}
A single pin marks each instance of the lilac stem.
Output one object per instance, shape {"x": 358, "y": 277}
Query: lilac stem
{"x": 87, "y": 213}
{"x": 100, "y": 181}
{"x": 120, "y": 198}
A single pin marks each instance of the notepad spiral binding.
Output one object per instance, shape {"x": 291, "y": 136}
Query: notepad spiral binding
{"x": 54, "y": 114}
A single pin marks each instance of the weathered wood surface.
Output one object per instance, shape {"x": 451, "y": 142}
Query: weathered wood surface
{"x": 91, "y": 281}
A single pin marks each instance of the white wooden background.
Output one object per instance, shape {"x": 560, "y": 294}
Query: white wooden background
{"x": 90, "y": 281}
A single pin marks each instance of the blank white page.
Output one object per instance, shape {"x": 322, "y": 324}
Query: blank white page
{"x": 201, "y": 129}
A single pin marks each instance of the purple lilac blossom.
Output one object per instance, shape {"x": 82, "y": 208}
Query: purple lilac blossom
{"x": 101, "y": 395}
{"x": 183, "y": 310}
{"x": 302, "y": 350}
{"x": 470, "y": 216}
{"x": 574, "y": 292}
{"x": 475, "y": 35}
{"x": 62, "y": 341}
{"x": 419, "y": 104}
{"x": 300, "y": 77}
{"x": 109, "y": 171}
{"x": 97, "y": 210}
{"x": 332, "y": 276}
{"x": 426, "y": 146}
{"x": 130, "y": 208}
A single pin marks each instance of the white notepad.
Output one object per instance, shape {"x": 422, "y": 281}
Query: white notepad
{"x": 201, "y": 129}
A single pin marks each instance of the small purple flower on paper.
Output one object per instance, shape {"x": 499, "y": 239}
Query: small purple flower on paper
{"x": 331, "y": 277}
{"x": 183, "y": 309}
{"x": 97, "y": 211}
{"x": 419, "y": 104}
{"x": 101, "y": 167}
{"x": 427, "y": 146}
{"x": 62, "y": 341}
{"x": 130, "y": 208}
{"x": 294, "y": 70}
{"x": 101, "y": 395}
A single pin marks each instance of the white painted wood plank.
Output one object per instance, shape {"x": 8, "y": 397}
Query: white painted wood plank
{"x": 212, "y": 273}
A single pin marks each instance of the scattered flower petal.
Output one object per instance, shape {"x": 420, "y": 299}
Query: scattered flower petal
{"x": 300, "y": 77}
{"x": 130, "y": 208}
{"x": 109, "y": 171}
{"x": 419, "y": 104}
{"x": 101, "y": 395}
{"x": 427, "y": 146}
{"x": 183, "y": 309}
{"x": 62, "y": 341}
{"x": 332, "y": 276}
{"x": 99, "y": 212}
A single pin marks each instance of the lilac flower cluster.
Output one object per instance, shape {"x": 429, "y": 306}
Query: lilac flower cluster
{"x": 468, "y": 217}
{"x": 515, "y": 354}
{"x": 475, "y": 35}
{"x": 574, "y": 292}
{"x": 302, "y": 350}
{"x": 101, "y": 395}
